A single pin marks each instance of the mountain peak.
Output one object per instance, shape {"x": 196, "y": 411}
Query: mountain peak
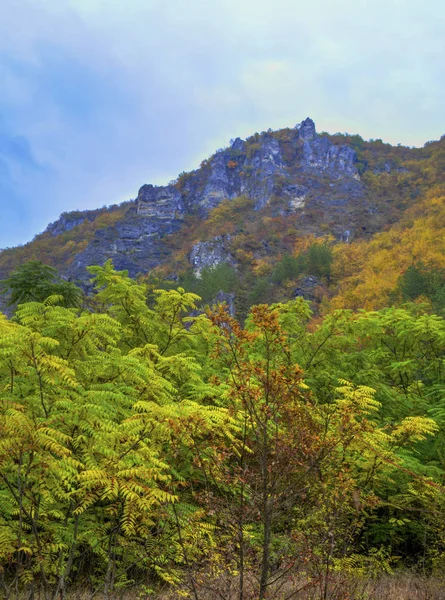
{"x": 305, "y": 183}
{"x": 306, "y": 129}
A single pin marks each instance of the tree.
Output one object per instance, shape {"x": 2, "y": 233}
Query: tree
{"x": 319, "y": 260}
{"x": 421, "y": 280}
{"x": 140, "y": 444}
{"x": 289, "y": 267}
{"x": 34, "y": 282}
{"x": 89, "y": 412}
{"x": 299, "y": 465}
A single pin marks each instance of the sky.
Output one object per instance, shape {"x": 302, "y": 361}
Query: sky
{"x": 98, "y": 97}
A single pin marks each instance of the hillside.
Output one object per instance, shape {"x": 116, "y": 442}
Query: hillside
{"x": 277, "y": 447}
{"x": 262, "y": 201}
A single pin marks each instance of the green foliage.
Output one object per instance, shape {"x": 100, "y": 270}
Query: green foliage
{"x": 298, "y": 460}
{"x": 316, "y": 260}
{"x": 142, "y": 442}
{"x": 91, "y": 409}
{"x": 289, "y": 267}
{"x": 398, "y": 352}
{"x": 259, "y": 291}
{"x": 211, "y": 280}
{"x": 420, "y": 280}
{"x": 35, "y": 281}
{"x": 319, "y": 260}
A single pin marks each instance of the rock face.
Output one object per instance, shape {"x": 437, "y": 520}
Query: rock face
{"x": 306, "y": 172}
{"x": 306, "y": 130}
{"x": 135, "y": 243}
{"x": 297, "y": 195}
{"x": 220, "y": 185}
{"x": 255, "y": 169}
{"x": 68, "y": 221}
{"x": 266, "y": 165}
{"x": 321, "y": 155}
{"x": 227, "y": 298}
{"x": 210, "y": 254}
{"x": 64, "y": 224}
{"x": 160, "y": 203}
{"x": 306, "y": 287}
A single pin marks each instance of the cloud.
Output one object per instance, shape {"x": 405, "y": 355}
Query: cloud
{"x": 20, "y": 175}
{"x": 107, "y": 95}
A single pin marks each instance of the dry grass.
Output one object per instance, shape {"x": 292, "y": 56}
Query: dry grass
{"x": 405, "y": 586}
{"x": 396, "y": 587}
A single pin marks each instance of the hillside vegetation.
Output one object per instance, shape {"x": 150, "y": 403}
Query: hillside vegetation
{"x": 144, "y": 447}
{"x": 367, "y": 233}
{"x": 244, "y": 398}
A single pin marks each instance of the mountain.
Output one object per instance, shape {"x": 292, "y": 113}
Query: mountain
{"x": 250, "y": 205}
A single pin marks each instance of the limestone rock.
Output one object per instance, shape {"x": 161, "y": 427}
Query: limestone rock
{"x": 303, "y": 173}
{"x": 266, "y": 165}
{"x": 227, "y": 298}
{"x": 238, "y": 144}
{"x": 219, "y": 185}
{"x": 388, "y": 166}
{"x": 210, "y": 254}
{"x": 159, "y": 202}
{"x": 320, "y": 154}
{"x": 306, "y": 129}
{"x": 135, "y": 243}
{"x": 297, "y": 197}
{"x": 69, "y": 220}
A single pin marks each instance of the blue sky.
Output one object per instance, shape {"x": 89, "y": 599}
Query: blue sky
{"x": 98, "y": 97}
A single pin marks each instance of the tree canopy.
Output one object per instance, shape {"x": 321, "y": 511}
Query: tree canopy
{"x": 35, "y": 281}
{"x": 143, "y": 443}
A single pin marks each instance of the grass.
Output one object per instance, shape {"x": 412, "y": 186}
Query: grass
{"x": 402, "y": 586}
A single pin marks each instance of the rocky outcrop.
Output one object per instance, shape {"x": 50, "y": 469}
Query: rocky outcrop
{"x": 297, "y": 195}
{"x": 388, "y": 166}
{"x": 323, "y": 156}
{"x": 227, "y": 298}
{"x": 221, "y": 184}
{"x": 255, "y": 169}
{"x": 320, "y": 154}
{"x": 266, "y": 165}
{"x": 306, "y": 130}
{"x": 62, "y": 224}
{"x": 306, "y": 288}
{"x": 69, "y": 220}
{"x": 136, "y": 242}
{"x": 306, "y": 172}
{"x": 160, "y": 203}
{"x": 238, "y": 145}
{"x": 210, "y": 254}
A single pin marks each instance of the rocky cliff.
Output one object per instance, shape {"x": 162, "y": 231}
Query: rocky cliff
{"x": 316, "y": 184}
{"x": 301, "y": 172}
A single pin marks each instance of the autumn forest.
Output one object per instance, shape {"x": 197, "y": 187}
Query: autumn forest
{"x": 272, "y": 427}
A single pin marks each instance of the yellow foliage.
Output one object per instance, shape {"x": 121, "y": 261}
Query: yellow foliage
{"x": 367, "y": 272}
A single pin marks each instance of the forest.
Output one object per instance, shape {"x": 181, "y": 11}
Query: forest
{"x": 151, "y": 448}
